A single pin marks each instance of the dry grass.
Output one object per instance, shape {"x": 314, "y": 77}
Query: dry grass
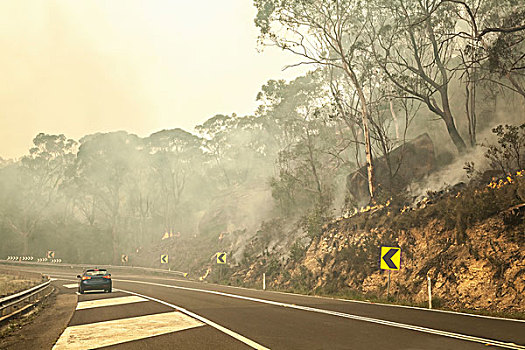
{"x": 11, "y": 283}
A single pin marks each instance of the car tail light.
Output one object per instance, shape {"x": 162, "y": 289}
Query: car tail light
{"x": 85, "y": 278}
{"x": 108, "y": 277}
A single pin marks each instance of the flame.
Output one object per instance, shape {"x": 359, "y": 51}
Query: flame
{"x": 375, "y": 207}
{"x": 497, "y": 184}
{"x": 202, "y": 278}
{"x": 405, "y": 208}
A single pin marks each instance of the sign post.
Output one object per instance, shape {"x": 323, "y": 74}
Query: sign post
{"x": 388, "y": 286}
{"x": 390, "y": 260}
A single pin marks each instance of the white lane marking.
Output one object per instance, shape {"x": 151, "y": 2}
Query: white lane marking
{"x": 109, "y": 302}
{"x": 71, "y": 286}
{"x": 350, "y": 316}
{"x": 229, "y": 332}
{"x": 100, "y": 334}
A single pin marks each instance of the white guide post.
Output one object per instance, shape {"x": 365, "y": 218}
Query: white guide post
{"x": 429, "y": 293}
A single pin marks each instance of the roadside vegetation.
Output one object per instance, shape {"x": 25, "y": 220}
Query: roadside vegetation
{"x": 14, "y": 283}
{"x": 379, "y": 143}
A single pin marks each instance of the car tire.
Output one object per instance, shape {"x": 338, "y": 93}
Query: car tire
{"x": 108, "y": 290}
{"x": 81, "y": 291}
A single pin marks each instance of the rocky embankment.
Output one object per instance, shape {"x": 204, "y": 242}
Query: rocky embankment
{"x": 470, "y": 243}
{"x": 486, "y": 273}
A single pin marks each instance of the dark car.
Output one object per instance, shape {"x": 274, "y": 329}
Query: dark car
{"x": 95, "y": 279}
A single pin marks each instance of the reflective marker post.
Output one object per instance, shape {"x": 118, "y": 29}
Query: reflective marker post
{"x": 264, "y": 281}
{"x": 429, "y": 292}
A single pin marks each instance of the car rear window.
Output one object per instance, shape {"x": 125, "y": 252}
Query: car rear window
{"x": 96, "y": 272}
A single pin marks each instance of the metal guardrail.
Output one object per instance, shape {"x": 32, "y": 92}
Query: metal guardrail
{"x": 84, "y": 266}
{"x": 12, "y": 305}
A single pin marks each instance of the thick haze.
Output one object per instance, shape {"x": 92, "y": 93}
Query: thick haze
{"x": 79, "y": 67}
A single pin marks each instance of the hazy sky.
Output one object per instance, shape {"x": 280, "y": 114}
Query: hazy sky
{"x": 79, "y": 67}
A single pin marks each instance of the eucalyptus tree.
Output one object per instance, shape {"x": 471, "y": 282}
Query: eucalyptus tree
{"x": 272, "y": 113}
{"x": 413, "y": 46}
{"x": 237, "y": 147}
{"x": 104, "y": 164}
{"x": 31, "y": 190}
{"x": 254, "y": 146}
{"x": 328, "y": 33}
{"x": 214, "y": 132}
{"x": 176, "y": 161}
{"x": 494, "y": 38}
{"x": 490, "y": 40}
{"x": 298, "y": 114}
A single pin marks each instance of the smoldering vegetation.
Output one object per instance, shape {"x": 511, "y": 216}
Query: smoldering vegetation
{"x": 258, "y": 184}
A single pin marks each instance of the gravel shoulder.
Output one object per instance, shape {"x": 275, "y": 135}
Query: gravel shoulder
{"x": 40, "y": 328}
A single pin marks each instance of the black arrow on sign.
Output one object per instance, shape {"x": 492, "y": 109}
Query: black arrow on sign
{"x": 164, "y": 258}
{"x": 388, "y": 256}
{"x": 220, "y": 257}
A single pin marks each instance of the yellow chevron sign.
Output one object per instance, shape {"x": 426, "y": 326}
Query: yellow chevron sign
{"x": 221, "y": 258}
{"x": 390, "y": 258}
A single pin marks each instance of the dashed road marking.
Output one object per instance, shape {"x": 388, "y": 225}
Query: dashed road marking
{"x": 100, "y": 334}
{"x": 109, "y": 302}
{"x": 71, "y": 286}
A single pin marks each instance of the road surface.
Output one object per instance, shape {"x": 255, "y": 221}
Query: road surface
{"x": 146, "y": 312}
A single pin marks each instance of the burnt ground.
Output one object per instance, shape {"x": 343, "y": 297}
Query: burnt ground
{"x": 40, "y": 328}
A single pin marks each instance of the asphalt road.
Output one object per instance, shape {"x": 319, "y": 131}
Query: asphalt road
{"x": 155, "y": 313}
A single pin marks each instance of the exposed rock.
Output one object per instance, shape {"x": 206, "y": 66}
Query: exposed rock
{"x": 486, "y": 273}
{"x": 408, "y": 162}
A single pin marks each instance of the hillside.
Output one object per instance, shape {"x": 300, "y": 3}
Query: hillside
{"x": 470, "y": 242}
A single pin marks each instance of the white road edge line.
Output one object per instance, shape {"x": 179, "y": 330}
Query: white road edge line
{"x": 229, "y": 332}
{"x": 341, "y": 314}
{"x": 362, "y": 302}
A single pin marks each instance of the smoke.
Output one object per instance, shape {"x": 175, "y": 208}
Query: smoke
{"x": 455, "y": 172}
{"x": 449, "y": 175}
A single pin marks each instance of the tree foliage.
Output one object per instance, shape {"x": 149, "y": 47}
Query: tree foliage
{"x": 374, "y": 65}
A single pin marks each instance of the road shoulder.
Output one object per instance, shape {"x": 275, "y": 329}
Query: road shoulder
{"x": 41, "y": 328}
